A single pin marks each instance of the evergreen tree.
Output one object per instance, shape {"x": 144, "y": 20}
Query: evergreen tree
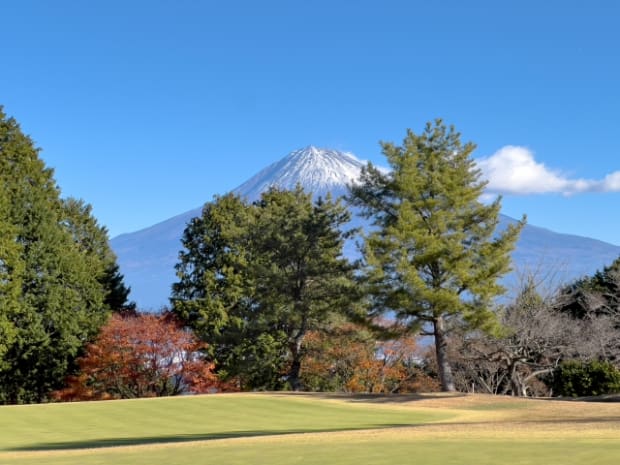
{"x": 254, "y": 279}
{"x": 301, "y": 277}
{"x": 434, "y": 257}
{"x": 10, "y": 279}
{"x": 92, "y": 240}
{"x": 52, "y": 300}
{"x": 596, "y": 301}
{"x": 594, "y": 295}
{"x": 213, "y": 293}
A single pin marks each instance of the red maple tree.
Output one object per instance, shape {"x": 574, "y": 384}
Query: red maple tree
{"x": 141, "y": 355}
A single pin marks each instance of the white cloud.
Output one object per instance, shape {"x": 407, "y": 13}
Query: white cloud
{"x": 612, "y": 182}
{"x": 513, "y": 170}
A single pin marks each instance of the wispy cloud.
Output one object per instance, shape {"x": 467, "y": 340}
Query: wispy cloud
{"x": 514, "y": 170}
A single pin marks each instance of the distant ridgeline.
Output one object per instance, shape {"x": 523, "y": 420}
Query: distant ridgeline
{"x": 147, "y": 257}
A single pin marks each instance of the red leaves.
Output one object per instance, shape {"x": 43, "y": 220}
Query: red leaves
{"x": 142, "y": 355}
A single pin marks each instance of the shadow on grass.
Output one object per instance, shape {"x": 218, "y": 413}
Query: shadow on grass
{"x": 180, "y": 438}
{"x": 602, "y": 398}
{"x": 402, "y": 398}
{"x": 385, "y": 398}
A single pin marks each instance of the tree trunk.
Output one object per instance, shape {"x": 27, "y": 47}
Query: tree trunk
{"x": 293, "y": 374}
{"x": 293, "y": 377}
{"x": 441, "y": 349}
{"x": 518, "y": 386}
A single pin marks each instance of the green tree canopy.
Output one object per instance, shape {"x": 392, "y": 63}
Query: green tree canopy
{"x": 11, "y": 270}
{"x": 435, "y": 256}
{"x": 254, "y": 279}
{"x": 52, "y": 299}
{"x": 92, "y": 240}
{"x": 598, "y": 294}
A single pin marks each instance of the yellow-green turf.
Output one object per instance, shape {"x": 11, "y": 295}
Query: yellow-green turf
{"x": 267, "y": 429}
{"x": 439, "y": 452}
{"x": 180, "y": 419}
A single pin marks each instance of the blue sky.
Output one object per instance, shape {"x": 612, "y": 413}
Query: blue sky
{"x": 147, "y": 109}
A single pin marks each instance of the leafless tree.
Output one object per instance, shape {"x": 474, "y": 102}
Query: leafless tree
{"x": 535, "y": 337}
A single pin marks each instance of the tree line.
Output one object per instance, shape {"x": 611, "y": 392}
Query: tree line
{"x": 265, "y": 299}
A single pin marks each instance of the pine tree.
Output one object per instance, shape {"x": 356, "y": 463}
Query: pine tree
{"x": 254, "y": 279}
{"x": 434, "y": 257}
{"x": 594, "y": 295}
{"x": 301, "y": 277}
{"x": 52, "y": 296}
{"x": 211, "y": 295}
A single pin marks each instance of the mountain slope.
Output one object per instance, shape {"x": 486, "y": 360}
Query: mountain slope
{"x": 318, "y": 170}
{"x": 147, "y": 257}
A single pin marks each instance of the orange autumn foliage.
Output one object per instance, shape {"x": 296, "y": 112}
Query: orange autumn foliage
{"x": 141, "y": 355}
{"x": 349, "y": 359}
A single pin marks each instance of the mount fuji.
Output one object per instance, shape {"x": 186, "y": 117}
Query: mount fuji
{"x": 320, "y": 171}
{"x": 147, "y": 257}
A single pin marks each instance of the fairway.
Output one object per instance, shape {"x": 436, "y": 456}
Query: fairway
{"x": 313, "y": 429}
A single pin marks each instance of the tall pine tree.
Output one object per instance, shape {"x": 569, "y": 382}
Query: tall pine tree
{"x": 434, "y": 258}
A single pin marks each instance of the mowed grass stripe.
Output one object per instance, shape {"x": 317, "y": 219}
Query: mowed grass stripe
{"x": 121, "y": 423}
{"x": 260, "y": 429}
{"x": 378, "y": 451}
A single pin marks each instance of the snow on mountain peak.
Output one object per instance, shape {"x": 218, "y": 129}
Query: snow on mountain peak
{"x": 318, "y": 170}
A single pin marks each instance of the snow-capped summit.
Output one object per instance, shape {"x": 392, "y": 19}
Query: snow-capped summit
{"x": 317, "y": 170}
{"x": 147, "y": 257}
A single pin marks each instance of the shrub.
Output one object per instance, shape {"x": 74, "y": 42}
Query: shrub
{"x": 577, "y": 379}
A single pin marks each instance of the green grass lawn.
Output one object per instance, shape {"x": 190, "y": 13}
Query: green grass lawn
{"x": 264, "y": 429}
{"x": 181, "y": 419}
{"x": 432, "y": 452}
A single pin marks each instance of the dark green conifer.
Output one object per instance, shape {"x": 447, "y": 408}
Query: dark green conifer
{"x": 52, "y": 300}
{"x": 93, "y": 241}
{"x": 254, "y": 279}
